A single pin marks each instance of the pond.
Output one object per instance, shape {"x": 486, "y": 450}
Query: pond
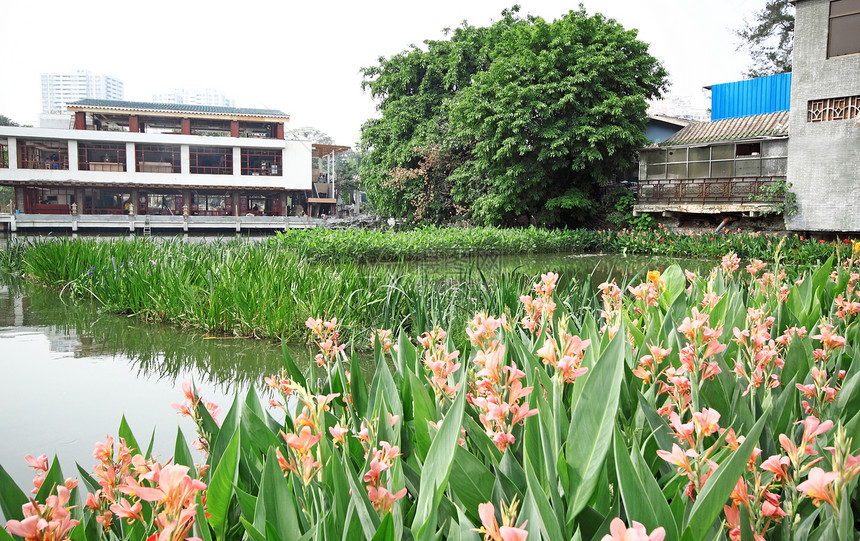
{"x": 70, "y": 372}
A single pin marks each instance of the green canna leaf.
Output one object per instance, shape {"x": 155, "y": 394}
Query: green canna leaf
{"x": 11, "y": 497}
{"x": 640, "y": 493}
{"x": 720, "y": 484}
{"x": 219, "y": 494}
{"x": 592, "y": 423}
{"x": 437, "y": 467}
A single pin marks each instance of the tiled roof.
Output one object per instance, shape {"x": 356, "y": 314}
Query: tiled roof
{"x": 732, "y": 129}
{"x": 175, "y": 108}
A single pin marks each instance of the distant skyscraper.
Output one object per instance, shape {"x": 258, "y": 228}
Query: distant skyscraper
{"x": 194, "y": 96}
{"x": 60, "y": 89}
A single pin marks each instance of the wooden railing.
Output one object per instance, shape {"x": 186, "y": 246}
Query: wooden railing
{"x": 704, "y": 191}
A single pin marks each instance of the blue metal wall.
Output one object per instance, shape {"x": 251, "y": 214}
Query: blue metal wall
{"x": 751, "y": 97}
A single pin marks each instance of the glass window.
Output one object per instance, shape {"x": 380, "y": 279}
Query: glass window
{"x": 723, "y": 152}
{"x": 844, "y": 35}
{"x": 677, "y": 170}
{"x": 722, "y": 169}
{"x": 750, "y": 167}
{"x": 844, "y": 32}
{"x": 844, "y": 7}
{"x": 653, "y": 156}
{"x": 677, "y": 155}
{"x": 700, "y": 170}
{"x": 700, "y": 154}
{"x": 655, "y": 172}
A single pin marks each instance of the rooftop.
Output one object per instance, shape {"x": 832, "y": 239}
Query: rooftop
{"x": 177, "y": 109}
{"x": 732, "y": 129}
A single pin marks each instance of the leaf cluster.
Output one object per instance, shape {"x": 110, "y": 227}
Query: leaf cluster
{"x": 531, "y": 115}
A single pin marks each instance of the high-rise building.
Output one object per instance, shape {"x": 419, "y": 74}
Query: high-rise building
{"x": 61, "y": 89}
{"x": 194, "y": 96}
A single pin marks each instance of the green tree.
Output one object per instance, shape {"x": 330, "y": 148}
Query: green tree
{"x": 561, "y": 108}
{"x": 769, "y": 39}
{"x": 518, "y": 121}
{"x": 6, "y": 121}
{"x": 413, "y": 89}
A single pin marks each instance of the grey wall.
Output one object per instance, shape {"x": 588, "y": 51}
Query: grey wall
{"x": 823, "y": 157}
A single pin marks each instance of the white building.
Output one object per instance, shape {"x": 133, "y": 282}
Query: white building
{"x": 194, "y": 96}
{"x": 61, "y": 89}
{"x": 142, "y": 166}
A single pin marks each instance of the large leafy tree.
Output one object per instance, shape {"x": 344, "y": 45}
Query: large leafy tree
{"x": 769, "y": 39}
{"x": 561, "y": 108}
{"x": 519, "y": 121}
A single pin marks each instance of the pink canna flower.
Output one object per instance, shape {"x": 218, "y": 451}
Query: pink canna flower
{"x": 677, "y": 457}
{"x": 706, "y": 421}
{"x": 491, "y": 529}
{"x": 303, "y": 442}
{"x": 38, "y": 464}
{"x": 619, "y": 532}
{"x": 817, "y": 487}
{"x": 338, "y": 433}
{"x": 123, "y": 509}
{"x": 777, "y": 465}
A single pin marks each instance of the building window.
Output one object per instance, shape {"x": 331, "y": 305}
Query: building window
{"x": 101, "y": 156}
{"x": 844, "y": 31}
{"x": 43, "y": 154}
{"x": 755, "y": 159}
{"x": 4, "y": 154}
{"x": 157, "y": 158}
{"x": 207, "y": 204}
{"x": 211, "y": 160}
{"x": 257, "y": 161}
{"x": 833, "y": 109}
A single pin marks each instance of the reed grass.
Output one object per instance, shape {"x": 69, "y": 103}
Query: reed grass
{"x": 269, "y": 291}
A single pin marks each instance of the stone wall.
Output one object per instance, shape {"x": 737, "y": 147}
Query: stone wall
{"x": 823, "y": 157}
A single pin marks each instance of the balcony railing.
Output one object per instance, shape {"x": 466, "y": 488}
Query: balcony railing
{"x": 704, "y": 191}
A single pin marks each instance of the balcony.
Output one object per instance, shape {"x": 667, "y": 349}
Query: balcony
{"x": 705, "y": 195}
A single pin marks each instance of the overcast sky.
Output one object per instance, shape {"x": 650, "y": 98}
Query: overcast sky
{"x": 304, "y": 57}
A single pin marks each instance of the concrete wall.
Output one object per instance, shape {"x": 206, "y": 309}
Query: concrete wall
{"x": 823, "y": 157}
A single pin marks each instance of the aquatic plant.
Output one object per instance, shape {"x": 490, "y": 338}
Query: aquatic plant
{"x": 674, "y": 428}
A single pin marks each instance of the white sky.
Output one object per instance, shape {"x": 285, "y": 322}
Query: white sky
{"x": 304, "y": 58}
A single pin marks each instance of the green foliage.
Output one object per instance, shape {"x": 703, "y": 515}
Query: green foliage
{"x": 784, "y": 201}
{"x": 769, "y": 39}
{"x": 531, "y": 116}
{"x": 581, "y": 456}
{"x": 6, "y": 121}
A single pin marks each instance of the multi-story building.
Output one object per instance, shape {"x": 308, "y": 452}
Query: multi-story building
{"x": 61, "y": 89}
{"x": 138, "y": 165}
{"x": 194, "y": 96}
{"x": 824, "y": 142}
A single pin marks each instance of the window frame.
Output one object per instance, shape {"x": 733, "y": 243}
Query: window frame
{"x": 854, "y": 13}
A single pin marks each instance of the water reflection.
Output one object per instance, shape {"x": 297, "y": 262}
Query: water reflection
{"x": 153, "y": 350}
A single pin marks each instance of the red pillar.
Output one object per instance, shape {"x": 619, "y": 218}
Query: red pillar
{"x": 279, "y": 131}
{"x": 133, "y": 124}
{"x": 234, "y": 128}
{"x": 80, "y": 120}
{"x": 186, "y": 126}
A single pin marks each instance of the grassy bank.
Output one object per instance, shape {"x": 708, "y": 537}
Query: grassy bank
{"x": 432, "y": 242}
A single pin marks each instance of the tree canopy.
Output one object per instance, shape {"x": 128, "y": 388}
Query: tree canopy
{"x": 769, "y": 39}
{"x": 6, "y": 121}
{"x": 521, "y": 120}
